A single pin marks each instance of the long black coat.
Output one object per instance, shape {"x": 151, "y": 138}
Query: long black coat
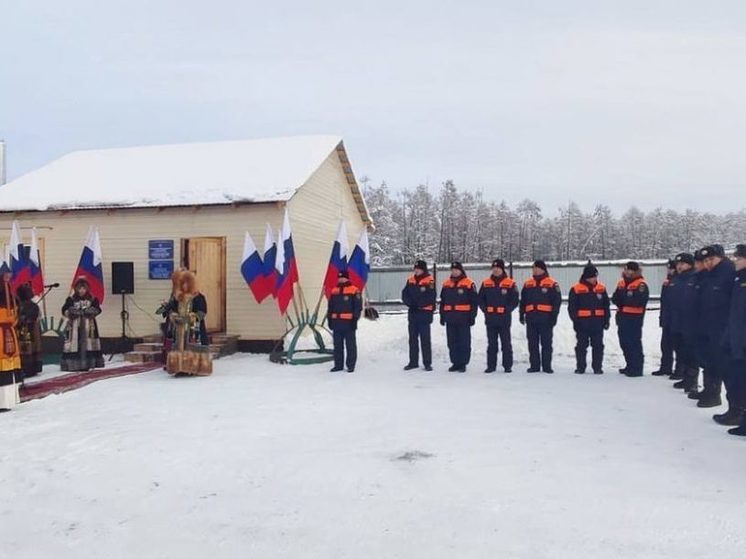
{"x": 735, "y": 331}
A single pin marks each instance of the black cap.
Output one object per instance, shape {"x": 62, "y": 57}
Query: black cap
{"x": 740, "y": 251}
{"x": 498, "y": 263}
{"x": 671, "y": 264}
{"x": 420, "y": 265}
{"x": 698, "y": 256}
{"x": 343, "y": 274}
{"x": 632, "y": 266}
{"x": 685, "y": 258}
{"x": 540, "y": 264}
{"x": 590, "y": 271}
{"x": 457, "y": 266}
{"x": 713, "y": 250}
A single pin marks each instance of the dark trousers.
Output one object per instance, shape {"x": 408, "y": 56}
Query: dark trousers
{"x": 345, "y": 339}
{"x": 419, "y": 334}
{"x": 630, "y": 339}
{"x": 686, "y": 352}
{"x": 716, "y": 369}
{"x": 459, "y": 343}
{"x": 595, "y": 339}
{"x": 540, "y": 346}
{"x": 667, "y": 350}
{"x": 735, "y": 384}
{"x": 497, "y": 336}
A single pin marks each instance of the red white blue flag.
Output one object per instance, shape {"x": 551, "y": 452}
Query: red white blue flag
{"x": 90, "y": 266}
{"x": 286, "y": 266}
{"x": 34, "y": 259}
{"x": 359, "y": 264}
{"x": 337, "y": 260}
{"x": 20, "y": 273}
{"x": 252, "y": 270}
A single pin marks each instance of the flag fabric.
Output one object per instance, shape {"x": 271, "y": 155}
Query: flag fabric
{"x": 37, "y": 277}
{"x": 18, "y": 262}
{"x": 337, "y": 260}
{"x": 90, "y": 266}
{"x": 5, "y": 265}
{"x": 252, "y": 270}
{"x": 287, "y": 269}
{"x": 359, "y": 263}
{"x": 269, "y": 273}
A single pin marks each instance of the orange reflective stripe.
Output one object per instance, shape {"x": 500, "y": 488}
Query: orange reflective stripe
{"x": 428, "y": 308}
{"x": 584, "y": 314}
{"x": 540, "y": 308}
{"x": 498, "y": 310}
{"x": 599, "y": 312}
{"x": 529, "y": 308}
{"x": 507, "y": 283}
{"x": 462, "y": 307}
{"x": 633, "y": 310}
{"x": 342, "y": 316}
{"x": 488, "y": 283}
{"x": 447, "y": 307}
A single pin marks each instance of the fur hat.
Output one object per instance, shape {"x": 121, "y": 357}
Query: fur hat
{"x": 713, "y": 250}
{"x": 81, "y": 280}
{"x": 740, "y": 251}
{"x": 632, "y": 266}
{"x": 685, "y": 258}
{"x": 698, "y": 256}
{"x": 420, "y": 265}
{"x": 458, "y": 266}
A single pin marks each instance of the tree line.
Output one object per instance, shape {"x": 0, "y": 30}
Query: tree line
{"x": 457, "y": 224}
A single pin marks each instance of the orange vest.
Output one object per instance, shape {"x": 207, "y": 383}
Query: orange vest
{"x": 464, "y": 283}
{"x": 505, "y": 283}
{"x": 546, "y": 283}
{"x": 582, "y": 289}
{"x": 632, "y": 286}
{"x": 349, "y": 290}
{"x": 422, "y": 281}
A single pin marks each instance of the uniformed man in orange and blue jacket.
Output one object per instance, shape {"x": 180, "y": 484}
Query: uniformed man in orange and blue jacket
{"x": 498, "y": 298}
{"x": 631, "y": 300}
{"x": 419, "y": 297}
{"x": 343, "y": 312}
{"x": 458, "y": 311}
{"x": 541, "y": 299}
{"x": 588, "y": 306}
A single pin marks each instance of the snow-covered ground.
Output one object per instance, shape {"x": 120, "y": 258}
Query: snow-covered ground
{"x": 262, "y": 460}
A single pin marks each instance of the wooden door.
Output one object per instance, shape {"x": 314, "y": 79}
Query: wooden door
{"x": 205, "y": 256}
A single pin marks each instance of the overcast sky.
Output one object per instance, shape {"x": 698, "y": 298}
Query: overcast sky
{"x": 622, "y": 102}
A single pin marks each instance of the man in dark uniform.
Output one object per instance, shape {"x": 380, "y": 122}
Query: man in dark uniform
{"x": 735, "y": 343}
{"x": 700, "y": 337}
{"x": 664, "y": 321}
{"x": 458, "y": 312}
{"x": 343, "y": 313}
{"x": 683, "y": 305}
{"x": 631, "y": 299}
{"x": 716, "y": 292}
{"x": 419, "y": 297}
{"x": 498, "y": 298}
{"x": 541, "y": 299}
{"x": 588, "y": 306}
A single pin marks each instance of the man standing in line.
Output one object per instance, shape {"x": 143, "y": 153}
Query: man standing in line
{"x": 631, "y": 299}
{"x": 458, "y": 312}
{"x": 498, "y": 298}
{"x": 588, "y": 306}
{"x": 419, "y": 297}
{"x": 541, "y": 299}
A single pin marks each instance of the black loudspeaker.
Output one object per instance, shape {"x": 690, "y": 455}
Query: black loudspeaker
{"x": 122, "y": 278}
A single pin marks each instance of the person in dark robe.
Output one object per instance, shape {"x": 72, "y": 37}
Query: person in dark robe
{"x": 82, "y": 349}
{"x": 166, "y": 309}
{"x": 29, "y": 332}
{"x": 191, "y": 348}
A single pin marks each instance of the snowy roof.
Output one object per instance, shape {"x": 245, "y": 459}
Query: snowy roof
{"x": 250, "y": 171}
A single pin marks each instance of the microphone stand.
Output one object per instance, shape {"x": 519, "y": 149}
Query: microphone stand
{"x": 43, "y": 301}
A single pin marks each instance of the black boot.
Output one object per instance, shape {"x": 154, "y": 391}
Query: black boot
{"x": 579, "y": 371}
{"x": 709, "y": 400}
{"x": 661, "y": 373}
{"x": 731, "y": 418}
{"x": 695, "y": 394}
{"x": 489, "y": 370}
{"x": 410, "y": 366}
{"x": 429, "y": 368}
{"x": 681, "y": 385}
{"x": 738, "y": 431}
{"x": 453, "y": 368}
{"x": 633, "y": 374}
{"x": 532, "y": 370}
{"x": 623, "y": 371}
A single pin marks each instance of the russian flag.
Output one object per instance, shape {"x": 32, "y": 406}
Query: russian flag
{"x": 19, "y": 264}
{"x": 337, "y": 260}
{"x": 252, "y": 270}
{"x": 5, "y": 266}
{"x": 359, "y": 263}
{"x": 269, "y": 273}
{"x": 287, "y": 269}
{"x": 90, "y": 267}
{"x": 34, "y": 259}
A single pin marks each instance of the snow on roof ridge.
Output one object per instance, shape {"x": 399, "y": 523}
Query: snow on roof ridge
{"x": 159, "y": 175}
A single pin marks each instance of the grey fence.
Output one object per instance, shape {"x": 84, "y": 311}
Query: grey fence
{"x": 385, "y": 283}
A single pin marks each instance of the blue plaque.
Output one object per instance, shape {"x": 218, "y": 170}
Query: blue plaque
{"x": 161, "y": 250}
{"x": 160, "y": 269}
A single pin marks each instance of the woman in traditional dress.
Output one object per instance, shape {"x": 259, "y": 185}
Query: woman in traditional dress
{"x": 191, "y": 350}
{"x": 165, "y": 310}
{"x": 29, "y": 332}
{"x": 11, "y": 374}
{"x": 82, "y": 350}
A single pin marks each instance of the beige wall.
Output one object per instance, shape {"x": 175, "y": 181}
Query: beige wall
{"x": 315, "y": 211}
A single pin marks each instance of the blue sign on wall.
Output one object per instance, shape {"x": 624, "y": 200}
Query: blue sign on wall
{"x": 161, "y": 250}
{"x": 160, "y": 269}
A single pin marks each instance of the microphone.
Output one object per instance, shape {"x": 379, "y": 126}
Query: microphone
{"x": 51, "y": 285}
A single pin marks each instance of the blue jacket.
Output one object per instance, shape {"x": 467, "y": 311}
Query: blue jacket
{"x": 541, "y": 299}
{"x": 419, "y": 297}
{"x": 498, "y": 298}
{"x": 344, "y": 308}
{"x": 631, "y": 299}
{"x": 683, "y": 302}
{"x": 735, "y": 331}
{"x": 459, "y": 302}
{"x": 716, "y": 290}
{"x": 666, "y": 306}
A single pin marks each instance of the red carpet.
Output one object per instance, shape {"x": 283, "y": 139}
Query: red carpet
{"x": 65, "y": 383}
